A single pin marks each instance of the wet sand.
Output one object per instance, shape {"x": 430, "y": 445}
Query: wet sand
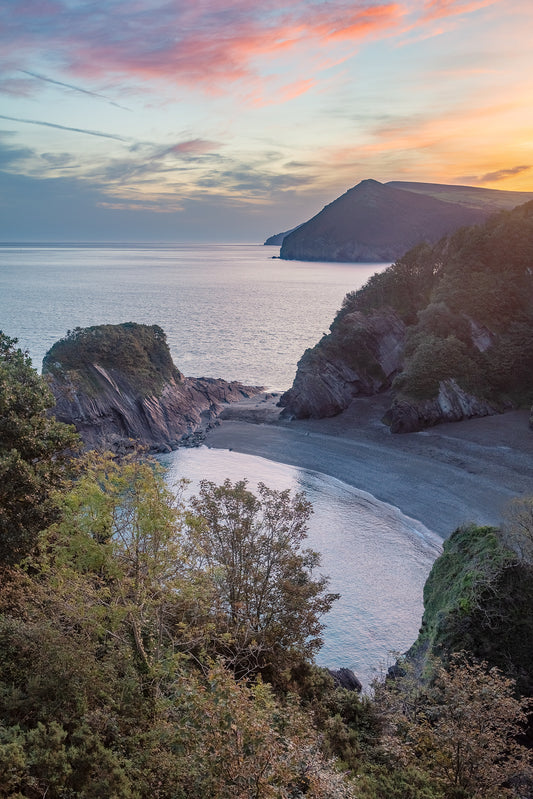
{"x": 443, "y": 477}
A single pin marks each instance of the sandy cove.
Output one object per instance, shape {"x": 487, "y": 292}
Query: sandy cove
{"x": 443, "y": 477}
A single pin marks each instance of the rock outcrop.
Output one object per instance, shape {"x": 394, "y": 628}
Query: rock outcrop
{"x": 345, "y": 678}
{"x": 452, "y": 404}
{"x": 118, "y": 386}
{"x": 448, "y": 327}
{"x": 358, "y": 358}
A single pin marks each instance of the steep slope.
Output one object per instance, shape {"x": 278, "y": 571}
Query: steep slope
{"x": 479, "y": 598}
{"x": 487, "y": 200}
{"x": 118, "y": 385}
{"x": 378, "y": 222}
{"x": 467, "y": 348}
{"x": 374, "y": 222}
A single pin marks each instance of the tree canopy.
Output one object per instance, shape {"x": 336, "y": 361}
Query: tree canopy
{"x": 34, "y": 450}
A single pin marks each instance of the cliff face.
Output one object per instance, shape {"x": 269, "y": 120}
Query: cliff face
{"x": 449, "y": 327}
{"x": 358, "y": 358}
{"x": 374, "y": 222}
{"x": 118, "y": 386}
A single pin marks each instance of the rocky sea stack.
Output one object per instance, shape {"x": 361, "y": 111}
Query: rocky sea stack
{"x": 118, "y": 385}
{"x": 448, "y": 327}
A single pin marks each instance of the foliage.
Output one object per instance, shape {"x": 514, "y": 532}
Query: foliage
{"x": 34, "y": 451}
{"x": 462, "y": 728}
{"x": 479, "y": 277}
{"x": 139, "y": 352}
{"x": 435, "y": 360}
{"x": 517, "y": 528}
{"x": 480, "y": 598}
{"x": 106, "y": 687}
{"x": 266, "y": 599}
{"x": 405, "y": 286}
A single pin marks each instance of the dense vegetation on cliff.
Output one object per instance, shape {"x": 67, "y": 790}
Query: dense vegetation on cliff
{"x": 151, "y": 648}
{"x": 467, "y": 304}
{"x": 135, "y": 350}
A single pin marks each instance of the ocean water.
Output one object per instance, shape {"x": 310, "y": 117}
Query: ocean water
{"x": 228, "y": 311}
{"x": 233, "y": 311}
{"x": 376, "y": 558}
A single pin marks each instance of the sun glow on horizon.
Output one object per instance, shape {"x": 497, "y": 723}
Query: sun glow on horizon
{"x": 160, "y": 110}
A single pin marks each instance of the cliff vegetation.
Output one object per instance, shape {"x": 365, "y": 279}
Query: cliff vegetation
{"x": 155, "y": 648}
{"x": 467, "y": 306}
{"x": 139, "y": 352}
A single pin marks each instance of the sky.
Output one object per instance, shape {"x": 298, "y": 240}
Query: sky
{"x": 231, "y": 120}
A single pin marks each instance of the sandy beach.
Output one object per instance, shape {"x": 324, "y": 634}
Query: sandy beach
{"x": 443, "y": 477}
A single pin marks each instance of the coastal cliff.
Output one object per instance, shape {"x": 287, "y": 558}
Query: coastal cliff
{"x": 118, "y": 386}
{"x": 479, "y": 597}
{"x": 448, "y": 327}
{"x": 358, "y": 359}
{"x": 378, "y": 222}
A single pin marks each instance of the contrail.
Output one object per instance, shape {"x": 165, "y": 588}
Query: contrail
{"x": 74, "y": 88}
{"x": 65, "y": 127}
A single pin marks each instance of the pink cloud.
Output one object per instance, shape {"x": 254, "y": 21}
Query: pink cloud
{"x": 438, "y": 9}
{"x": 193, "y": 147}
{"x": 186, "y": 44}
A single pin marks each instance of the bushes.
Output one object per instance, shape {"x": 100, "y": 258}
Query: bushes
{"x": 436, "y": 359}
{"x": 34, "y": 453}
{"x": 139, "y": 351}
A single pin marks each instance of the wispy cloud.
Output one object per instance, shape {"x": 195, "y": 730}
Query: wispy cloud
{"x": 178, "y": 43}
{"x": 71, "y": 86}
{"x": 440, "y": 9}
{"x": 502, "y": 174}
{"x": 85, "y": 131}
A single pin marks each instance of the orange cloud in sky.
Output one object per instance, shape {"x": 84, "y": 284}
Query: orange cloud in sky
{"x": 437, "y": 9}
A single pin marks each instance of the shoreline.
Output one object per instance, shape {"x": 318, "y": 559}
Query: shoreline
{"x": 442, "y": 477}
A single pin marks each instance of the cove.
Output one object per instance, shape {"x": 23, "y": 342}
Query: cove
{"x": 377, "y": 558}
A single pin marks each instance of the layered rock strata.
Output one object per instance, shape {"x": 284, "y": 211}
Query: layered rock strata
{"x": 452, "y": 404}
{"x": 117, "y": 408}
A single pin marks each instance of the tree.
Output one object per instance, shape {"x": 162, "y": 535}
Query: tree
{"x": 34, "y": 452}
{"x": 267, "y": 600}
{"x": 462, "y": 728}
{"x": 518, "y": 528}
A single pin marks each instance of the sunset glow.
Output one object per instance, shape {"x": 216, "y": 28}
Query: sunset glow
{"x": 231, "y": 119}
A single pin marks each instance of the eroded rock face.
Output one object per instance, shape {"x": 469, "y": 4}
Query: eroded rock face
{"x": 111, "y": 410}
{"x": 453, "y": 404}
{"x": 358, "y": 358}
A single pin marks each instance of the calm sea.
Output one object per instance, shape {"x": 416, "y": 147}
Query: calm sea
{"x": 233, "y": 311}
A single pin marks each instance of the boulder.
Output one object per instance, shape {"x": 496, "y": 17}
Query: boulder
{"x": 452, "y": 404}
{"x": 345, "y": 678}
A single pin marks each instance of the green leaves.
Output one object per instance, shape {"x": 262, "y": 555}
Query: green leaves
{"x": 265, "y": 595}
{"x": 34, "y": 453}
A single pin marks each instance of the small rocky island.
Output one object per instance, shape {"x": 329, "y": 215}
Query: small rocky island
{"x": 118, "y": 385}
{"x": 448, "y": 328}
